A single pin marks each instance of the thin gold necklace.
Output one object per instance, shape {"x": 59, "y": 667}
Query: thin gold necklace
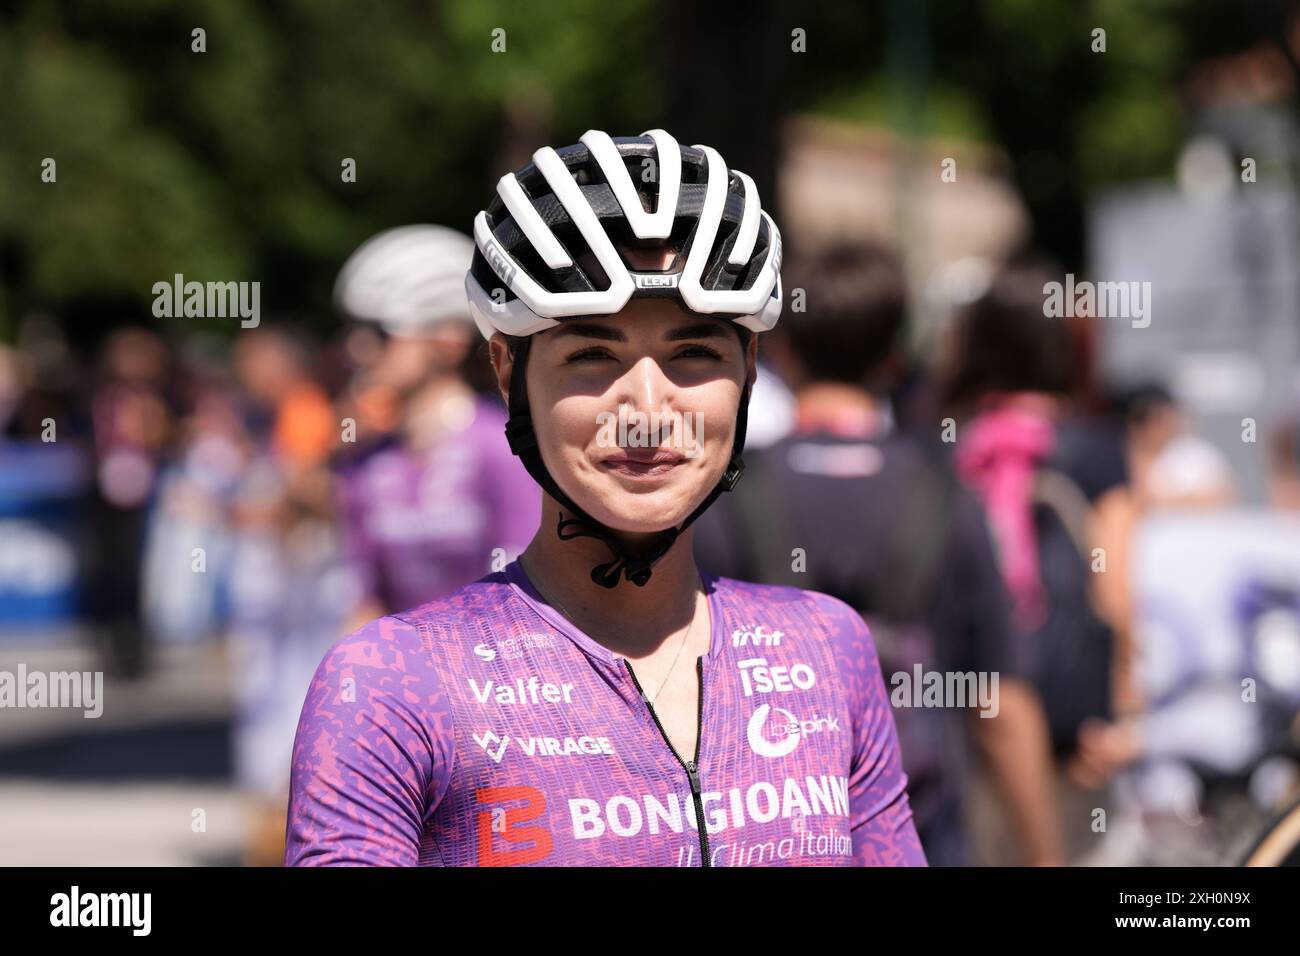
{"x": 565, "y": 611}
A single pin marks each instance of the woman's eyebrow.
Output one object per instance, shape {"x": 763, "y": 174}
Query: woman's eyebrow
{"x": 700, "y": 330}
{"x": 589, "y": 330}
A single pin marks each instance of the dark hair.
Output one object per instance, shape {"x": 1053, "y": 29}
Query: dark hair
{"x": 1005, "y": 343}
{"x": 854, "y": 308}
{"x": 1140, "y": 403}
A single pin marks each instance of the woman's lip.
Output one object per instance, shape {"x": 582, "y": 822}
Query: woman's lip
{"x": 632, "y": 468}
{"x": 655, "y": 458}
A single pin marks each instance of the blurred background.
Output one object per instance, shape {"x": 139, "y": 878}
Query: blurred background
{"x": 184, "y": 507}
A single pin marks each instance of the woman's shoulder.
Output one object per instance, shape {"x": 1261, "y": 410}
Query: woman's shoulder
{"x": 401, "y": 640}
{"x": 461, "y": 610}
{"x": 382, "y": 655}
{"x": 826, "y": 608}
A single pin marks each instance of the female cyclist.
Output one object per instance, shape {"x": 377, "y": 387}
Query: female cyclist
{"x": 599, "y": 701}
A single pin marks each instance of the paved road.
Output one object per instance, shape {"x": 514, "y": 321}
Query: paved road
{"x": 144, "y": 824}
{"x": 147, "y": 783}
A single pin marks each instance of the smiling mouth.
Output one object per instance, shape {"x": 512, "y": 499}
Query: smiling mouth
{"x": 629, "y": 467}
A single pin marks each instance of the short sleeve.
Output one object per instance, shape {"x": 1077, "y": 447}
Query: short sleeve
{"x": 373, "y": 752}
{"x": 883, "y": 832}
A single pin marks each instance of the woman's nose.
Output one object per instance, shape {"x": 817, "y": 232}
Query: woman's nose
{"x": 645, "y": 386}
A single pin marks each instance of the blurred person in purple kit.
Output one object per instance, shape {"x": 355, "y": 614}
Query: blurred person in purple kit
{"x": 440, "y": 501}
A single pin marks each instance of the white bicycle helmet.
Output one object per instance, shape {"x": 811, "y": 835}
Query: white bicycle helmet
{"x": 551, "y": 246}
{"x": 408, "y": 279}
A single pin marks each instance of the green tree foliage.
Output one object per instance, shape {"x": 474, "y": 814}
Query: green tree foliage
{"x": 226, "y": 164}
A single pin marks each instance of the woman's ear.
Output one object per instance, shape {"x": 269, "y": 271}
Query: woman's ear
{"x": 503, "y": 364}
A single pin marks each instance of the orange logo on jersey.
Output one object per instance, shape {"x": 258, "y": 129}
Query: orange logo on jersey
{"x": 505, "y": 822}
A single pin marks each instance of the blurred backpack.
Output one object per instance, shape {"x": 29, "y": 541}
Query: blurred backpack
{"x": 1071, "y": 649}
{"x": 893, "y": 606}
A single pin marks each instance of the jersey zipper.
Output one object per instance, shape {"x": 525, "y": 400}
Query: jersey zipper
{"x": 692, "y": 766}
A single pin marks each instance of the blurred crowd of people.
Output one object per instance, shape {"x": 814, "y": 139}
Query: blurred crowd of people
{"x": 979, "y": 502}
{"x": 271, "y": 490}
{"x": 990, "y": 509}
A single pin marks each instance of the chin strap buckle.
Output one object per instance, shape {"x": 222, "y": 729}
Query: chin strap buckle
{"x": 731, "y": 477}
{"x": 520, "y": 435}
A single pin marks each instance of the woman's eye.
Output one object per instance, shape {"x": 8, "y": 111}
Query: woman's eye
{"x": 699, "y": 351}
{"x": 589, "y": 354}
{"x": 597, "y": 354}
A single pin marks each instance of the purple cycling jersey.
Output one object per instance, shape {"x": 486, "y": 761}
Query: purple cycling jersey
{"x": 484, "y": 729}
{"x": 417, "y": 525}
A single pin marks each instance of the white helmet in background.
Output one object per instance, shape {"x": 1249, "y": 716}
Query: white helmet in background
{"x": 409, "y": 279}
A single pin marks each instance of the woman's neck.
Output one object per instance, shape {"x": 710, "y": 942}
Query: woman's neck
{"x": 631, "y": 621}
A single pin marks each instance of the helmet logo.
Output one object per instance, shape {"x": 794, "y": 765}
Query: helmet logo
{"x": 652, "y": 281}
{"x": 499, "y": 261}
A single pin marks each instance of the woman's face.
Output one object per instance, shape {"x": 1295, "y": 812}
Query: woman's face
{"x": 635, "y": 413}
